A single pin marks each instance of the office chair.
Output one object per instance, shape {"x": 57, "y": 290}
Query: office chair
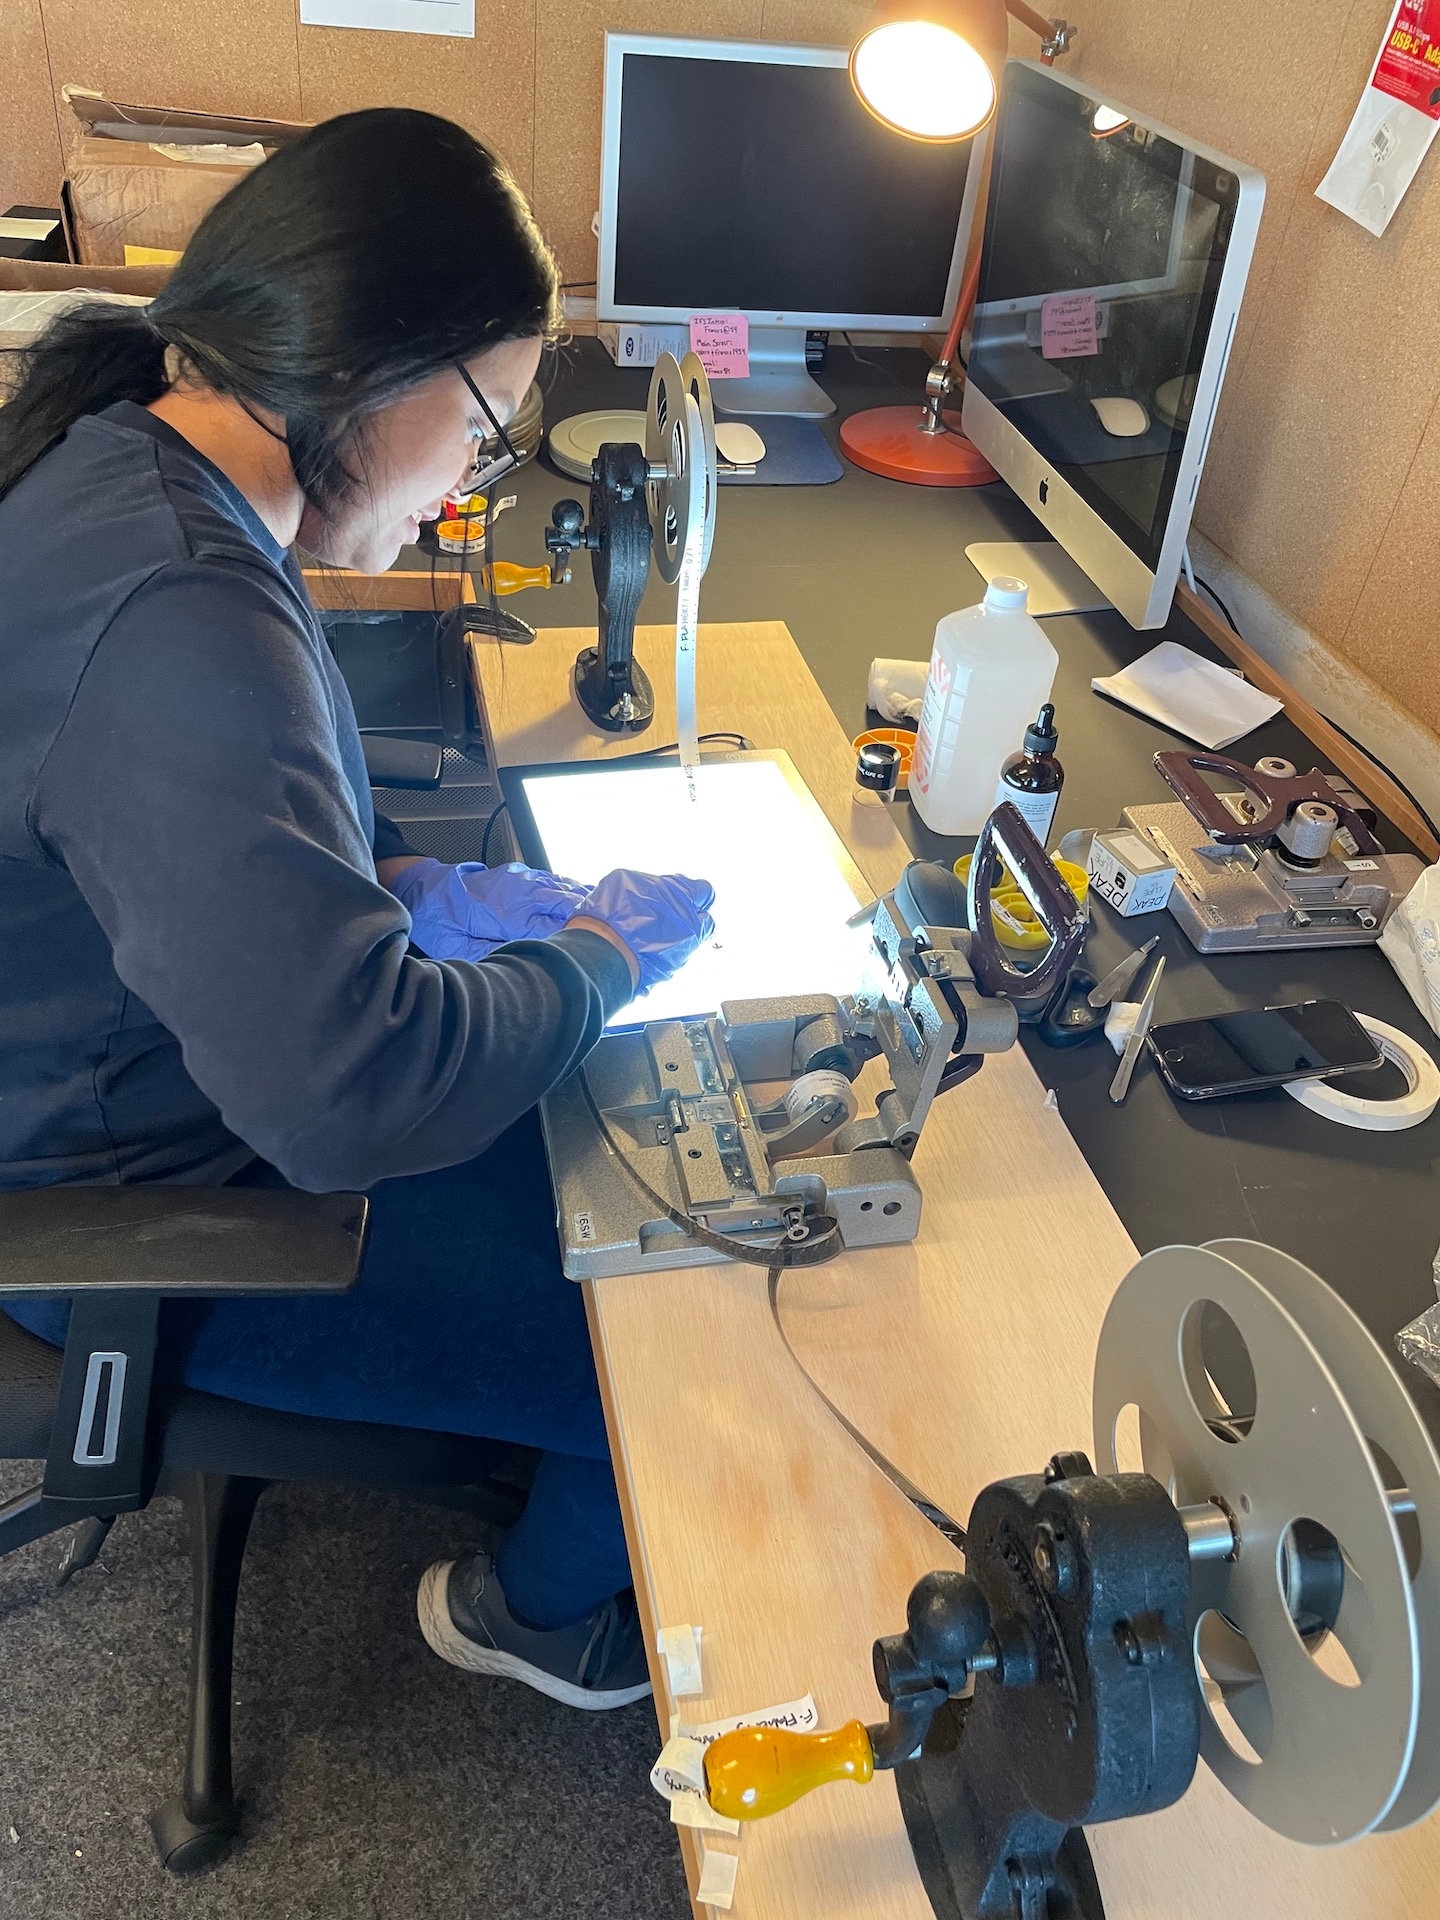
{"x": 112, "y": 1439}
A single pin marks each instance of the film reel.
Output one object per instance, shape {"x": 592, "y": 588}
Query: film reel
{"x": 680, "y": 453}
{"x": 1308, "y": 1494}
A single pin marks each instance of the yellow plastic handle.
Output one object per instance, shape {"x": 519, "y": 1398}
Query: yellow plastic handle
{"x": 757, "y": 1771}
{"x": 510, "y": 578}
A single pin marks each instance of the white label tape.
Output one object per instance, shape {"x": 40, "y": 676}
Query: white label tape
{"x": 680, "y": 1768}
{"x": 679, "y": 1648}
{"x": 819, "y": 1088}
{"x": 717, "y": 1878}
{"x": 1422, "y": 1080}
{"x": 694, "y": 1810}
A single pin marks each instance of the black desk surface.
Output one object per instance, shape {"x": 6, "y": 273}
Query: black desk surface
{"x": 866, "y": 567}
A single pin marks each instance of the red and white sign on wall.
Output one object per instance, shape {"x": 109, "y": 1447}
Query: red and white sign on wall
{"x": 1394, "y": 123}
{"x": 1409, "y": 65}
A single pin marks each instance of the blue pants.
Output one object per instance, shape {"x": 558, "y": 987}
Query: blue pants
{"x": 461, "y": 1322}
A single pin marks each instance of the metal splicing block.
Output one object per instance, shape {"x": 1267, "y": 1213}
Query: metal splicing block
{"x": 1290, "y": 860}
{"x": 720, "y": 1115}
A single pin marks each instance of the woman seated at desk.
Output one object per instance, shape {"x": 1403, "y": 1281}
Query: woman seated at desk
{"x": 206, "y": 964}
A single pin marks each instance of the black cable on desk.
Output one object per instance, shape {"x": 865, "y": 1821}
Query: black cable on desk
{"x": 1229, "y": 617}
{"x": 1344, "y": 732}
{"x": 1376, "y": 761}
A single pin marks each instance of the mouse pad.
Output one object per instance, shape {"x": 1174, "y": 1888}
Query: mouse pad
{"x": 1065, "y": 428}
{"x": 797, "y": 454}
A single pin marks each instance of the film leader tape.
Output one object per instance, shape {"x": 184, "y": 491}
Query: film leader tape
{"x": 680, "y": 453}
{"x": 1329, "y": 1099}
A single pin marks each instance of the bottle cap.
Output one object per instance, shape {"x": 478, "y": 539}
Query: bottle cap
{"x": 1006, "y": 594}
{"x": 1042, "y": 737}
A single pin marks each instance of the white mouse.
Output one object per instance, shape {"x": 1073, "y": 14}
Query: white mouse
{"x": 1126, "y": 419}
{"x": 738, "y": 443}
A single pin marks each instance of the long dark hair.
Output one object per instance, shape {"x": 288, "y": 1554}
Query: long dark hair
{"x": 358, "y": 260}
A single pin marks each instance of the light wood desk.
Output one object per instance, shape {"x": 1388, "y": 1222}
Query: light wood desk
{"x": 965, "y": 1357}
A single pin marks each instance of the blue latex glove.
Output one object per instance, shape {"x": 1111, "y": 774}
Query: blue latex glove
{"x": 465, "y": 912}
{"x": 662, "y": 918}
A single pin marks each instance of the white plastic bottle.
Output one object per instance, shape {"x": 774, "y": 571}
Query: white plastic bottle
{"x": 991, "y": 671}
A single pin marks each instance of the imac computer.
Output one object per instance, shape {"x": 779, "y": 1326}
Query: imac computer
{"x": 743, "y": 178}
{"x": 1114, "y": 259}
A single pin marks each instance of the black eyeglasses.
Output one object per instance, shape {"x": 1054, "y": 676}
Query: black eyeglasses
{"x": 492, "y": 468}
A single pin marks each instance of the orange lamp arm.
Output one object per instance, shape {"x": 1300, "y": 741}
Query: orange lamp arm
{"x": 1028, "y": 17}
{"x": 964, "y": 307}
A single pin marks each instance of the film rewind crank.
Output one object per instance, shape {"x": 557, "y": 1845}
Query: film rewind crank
{"x": 1264, "y": 1596}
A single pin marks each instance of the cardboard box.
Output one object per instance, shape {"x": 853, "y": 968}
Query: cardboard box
{"x": 1126, "y": 871}
{"x": 32, "y": 290}
{"x": 642, "y": 346}
{"x": 145, "y": 177}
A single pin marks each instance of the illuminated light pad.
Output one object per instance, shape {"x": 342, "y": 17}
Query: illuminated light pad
{"x": 781, "y": 898}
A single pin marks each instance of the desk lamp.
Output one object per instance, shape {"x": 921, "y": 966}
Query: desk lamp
{"x": 928, "y": 69}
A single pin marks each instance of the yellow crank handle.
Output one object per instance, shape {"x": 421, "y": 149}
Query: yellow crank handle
{"x": 756, "y": 1771}
{"x": 511, "y": 578}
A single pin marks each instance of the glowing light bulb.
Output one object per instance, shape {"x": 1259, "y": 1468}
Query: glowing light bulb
{"x": 1107, "y": 121}
{"x": 924, "y": 80}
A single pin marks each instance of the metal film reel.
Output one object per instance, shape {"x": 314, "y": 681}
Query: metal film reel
{"x": 1407, "y": 1457}
{"x": 1315, "y": 1611}
{"x": 680, "y": 452}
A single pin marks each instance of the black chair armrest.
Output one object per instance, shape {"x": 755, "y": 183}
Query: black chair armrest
{"x": 180, "y": 1240}
{"x": 118, "y": 1252}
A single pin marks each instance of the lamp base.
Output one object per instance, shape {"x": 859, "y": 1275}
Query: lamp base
{"x": 888, "y": 441}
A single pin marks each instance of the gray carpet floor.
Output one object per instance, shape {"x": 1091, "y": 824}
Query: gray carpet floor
{"x": 376, "y": 1781}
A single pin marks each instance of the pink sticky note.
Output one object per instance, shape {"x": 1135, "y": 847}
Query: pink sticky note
{"x": 1068, "y": 326}
{"x": 722, "y": 343}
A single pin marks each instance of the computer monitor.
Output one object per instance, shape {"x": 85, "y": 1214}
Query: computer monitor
{"x": 1114, "y": 259}
{"x": 738, "y": 177}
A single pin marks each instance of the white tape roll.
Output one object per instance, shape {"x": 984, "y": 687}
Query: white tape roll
{"x": 1422, "y": 1079}
{"x": 819, "y": 1088}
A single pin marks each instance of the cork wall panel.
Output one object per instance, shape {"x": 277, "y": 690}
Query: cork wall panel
{"x": 814, "y": 23}
{"x": 568, "y": 77}
{"x": 1246, "y": 85}
{"x": 1126, "y": 48}
{"x": 1328, "y": 411}
{"x": 31, "y": 167}
{"x": 232, "y": 59}
{"x": 1394, "y": 632}
{"x": 486, "y": 84}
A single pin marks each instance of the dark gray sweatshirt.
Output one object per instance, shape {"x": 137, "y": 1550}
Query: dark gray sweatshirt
{"x": 197, "y": 962}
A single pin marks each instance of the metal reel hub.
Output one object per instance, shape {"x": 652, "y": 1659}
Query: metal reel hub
{"x": 1309, "y": 1629}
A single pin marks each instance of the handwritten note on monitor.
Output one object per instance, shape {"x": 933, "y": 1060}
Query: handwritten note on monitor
{"x": 722, "y": 342}
{"x": 781, "y": 900}
{"x": 1069, "y": 326}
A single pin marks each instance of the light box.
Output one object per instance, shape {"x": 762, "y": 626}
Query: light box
{"x": 784, "y": 884}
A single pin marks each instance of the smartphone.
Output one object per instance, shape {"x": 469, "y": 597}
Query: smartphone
{"x": 1261, "y": 1047}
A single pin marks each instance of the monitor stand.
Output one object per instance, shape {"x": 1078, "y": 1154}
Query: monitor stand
{"x": 1056, "y": 583}
{"x": 778, "y": 382}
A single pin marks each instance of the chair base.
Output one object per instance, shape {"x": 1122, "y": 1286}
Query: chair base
{"x": 195, "y": 1826}
{"x": 187, "y": 1846}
